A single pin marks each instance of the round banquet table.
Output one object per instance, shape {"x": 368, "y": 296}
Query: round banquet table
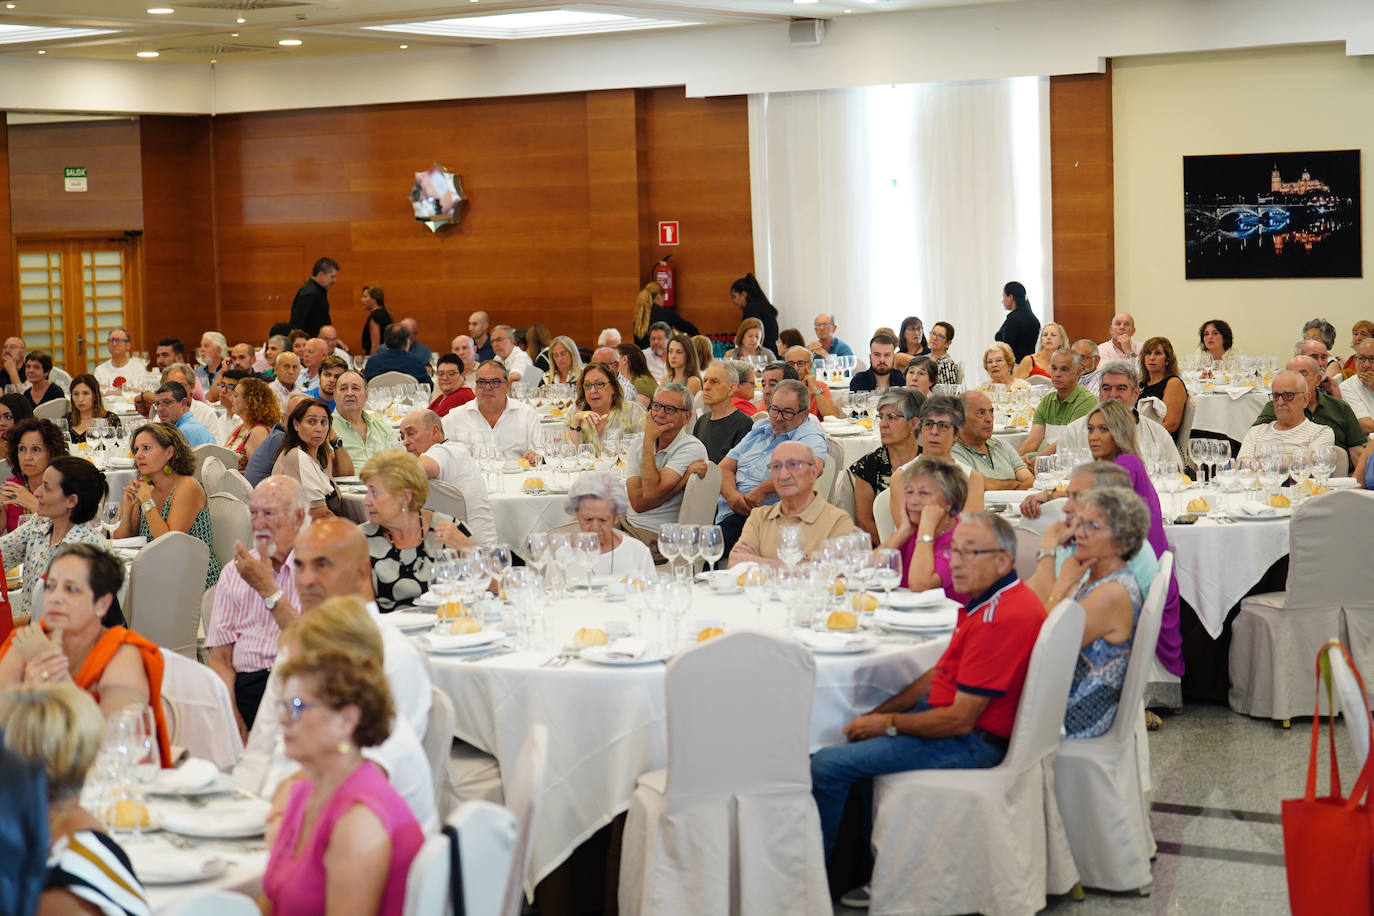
{"x": 607, "y": 725}
{"x": 1216, "y": 563}
{"x": 1230, "y": 411}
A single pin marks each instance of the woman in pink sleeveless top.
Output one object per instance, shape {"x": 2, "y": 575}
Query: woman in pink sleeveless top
{"x": 346, "y": 839}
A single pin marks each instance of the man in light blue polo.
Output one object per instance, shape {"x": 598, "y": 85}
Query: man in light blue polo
{"x": 745, "y": 479}
{"x": 174, "y": 407}
{"x": 826, "y": 343}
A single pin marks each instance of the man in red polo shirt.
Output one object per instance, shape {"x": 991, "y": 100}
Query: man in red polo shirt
{"x": 959, "y": 714}
{"x": 452, "y": 392}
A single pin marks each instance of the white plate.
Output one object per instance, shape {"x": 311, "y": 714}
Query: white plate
{"x": 348, "y": 480}
{"x": 1342, "y": 483}
{"x": 227, "y": 819}
{"x": 410, "y": 621}
{"x": 834, "y": 643}
{"x": 926, "y": 621}
{"x": 158, "y": 862}
{"x": 466, "y": 650}
{"x": 429, "y": 599}
{"x": 1004, "y": 497}
{"x": 1241, "y": 515}
{"x": 903, "y": 599}
{"x": 448, "y": 644}
{"x": 597, "y": 655}
{"x": 195, "y": 776}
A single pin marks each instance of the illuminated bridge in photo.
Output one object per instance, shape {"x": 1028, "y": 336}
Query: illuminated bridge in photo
{"x": 1245, "y": 220}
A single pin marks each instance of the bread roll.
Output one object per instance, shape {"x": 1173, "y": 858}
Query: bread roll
{"x": 1020, "y": 420}
{"x": 863, "y": 602}
{"x": 842, "y": 620}
{"x": 462, "y": 625}
{"x": 1279, "y": 501}
{"x": 1199, "y": 504}
{"x": 709, "y": 633}
{"x": 589, "y": 636}
{"x": 534, "y": 483}
{"x": 1320, "y": 490}
{"x": 524, "y": 464}
{"x": 837, "y": 587}
{"x": 129, "y": 814}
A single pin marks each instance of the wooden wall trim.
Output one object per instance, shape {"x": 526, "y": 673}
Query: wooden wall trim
{"x": 8, "y": 292}
{"x": 1081, "y": 184}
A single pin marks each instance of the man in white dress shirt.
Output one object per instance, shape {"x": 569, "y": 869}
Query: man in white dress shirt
{"x": 655, "y": 352}
{"x": 422, "y": 433}
{"x": 1118, "y": 382}
{"x": 331, "y": 560}
{"x": 1358, "y": 390}
{"x": 494, "y": 417}
{"x": 120, "y": 364}
{"x": 1120, "y": 345}
{"x": 519, "y": 367}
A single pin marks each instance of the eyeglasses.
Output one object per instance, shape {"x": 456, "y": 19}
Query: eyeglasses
{"x": 1080, "y": 523}
{"x": 295, "y": 707}
{"x": 1285, "y": 396}
{"x": 116, "y": 339}
{"x": 965, "y": 553}
{"x": 595, "y": 386}
{"x": 1364, "y": 359}
{"x": 785, "y": 413}
{"x": 451, "y": 373}
{"x": 490, "y": 383}
{"x": 891, "y": 418}
{"x": 795, "y": 465}
{"x": 799, "y": 363}
{"x": 943, "y": 426}
{"x": 666, "y": 408}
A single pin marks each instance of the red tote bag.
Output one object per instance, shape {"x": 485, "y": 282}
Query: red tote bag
{"x": 1328, "y": 843}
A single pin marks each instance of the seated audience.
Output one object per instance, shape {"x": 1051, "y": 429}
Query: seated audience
{"x": 1290, "y": 427}
{"x": 66, "y": 504}
{"x": 772, "y": 374}
{"x": 30, "y": 445}
{"x": 682, "y": 363}
{"x": 334, "y": 347}
{"x": 898, "y": 416}
{"x": 331, "y": 562}
{"x": 793, "y": 471}
{"x": 307, "y": 456}
{"x": 313, "y": 355}
{"x": 363, "y": 434}
{"x": 997, "y": 360}
{"x": 911, "y": 341}
{"x": 601, "y": 408}
{"x": 1119, "y": 344}
{"x": 495, "y": 418}
{"x": 743, "y": 398}
{"x": 609, "y": 337}
{"x": 173, "y": 404}
{"x": 960, "y": 713}
{"x": 261, "y": 461}
{"x": 14, "y": 407}
{"x": 256, "y": 597}
{"x": 749, "y": 342}
{"x": 478, "y": 324}
{"x": 396, "y": 357}
{"x": 920, "y": 375}
{"x": 214, "y": 359}
{"x": 1091, "y": 377}
{"x": 14, "y": 351}
{"x": 942, "y": 420}
{"x": 120, "y": 369}
{"x": 165, "y": 496}
{"x": 611, "y": 357}
{"x": 1052, "y": 337}
{"x": 946, "y": 370}
{"x": 656, "y": 352}
{"x": 287, "y": 370}
{"x": 821, "y": 402}
{"x": 658, "y": 469}
{"x": 402, "y": 537}
{"x": 746, "y": 479}
{"x": 276, "y": 345}
{"x": 224, "y": 392}
{"x": 1119, "y": 383}
{"x": 706, "y": 351}
{"x": 993, "y": 458}
{"x": 60, "y": 729}
{"x": 566, "y": 362}
{"x": 422, "y": 434}
{"x": 1358, "y": 390}
{"x": 346, "y": 838}
{"x": 880, "y": 374}
{"x": 1362, "y": 331}
{"x": 1216, "y": 339}
{"x": 826, "y": 343}
{"x": 1319, "y": 329}
{"x": 1324, "y": 408}
{"x": 1066, "y": 403}
{"x": 463, "y": 348}
{"x": 788, "y": 338}
{"x": 37, "y": 368}
{"x": 1159, "y": 378}
{"x": 252, "y": 402}
{"x": 80, "y": 640}
{"x": 519, "y": 367}
{"x": 932, "y": 496}
{"x": 632, "y": 368}
{"x": 722, "y": 428}
{"x": 595, "y": 501}
{"x": 417, "y": 348}
{"x": 331, "y": 370}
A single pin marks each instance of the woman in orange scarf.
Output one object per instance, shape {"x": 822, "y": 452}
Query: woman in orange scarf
{"x": 80, "y": 639}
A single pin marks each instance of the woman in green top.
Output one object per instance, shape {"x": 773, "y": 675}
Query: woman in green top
{"x": 601, "y": 408}
{"x": 635, "y": 370}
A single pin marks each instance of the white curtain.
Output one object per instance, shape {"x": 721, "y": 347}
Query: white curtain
{"x": 888, "y": 201}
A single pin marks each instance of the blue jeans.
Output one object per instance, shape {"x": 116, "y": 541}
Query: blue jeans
{"x": 835, "y": 770}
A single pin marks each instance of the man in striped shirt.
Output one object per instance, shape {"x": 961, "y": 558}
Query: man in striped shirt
{"x": 256, "y": 597}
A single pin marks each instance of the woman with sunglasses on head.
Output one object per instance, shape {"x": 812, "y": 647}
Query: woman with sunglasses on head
{"x": 601, "y": 407}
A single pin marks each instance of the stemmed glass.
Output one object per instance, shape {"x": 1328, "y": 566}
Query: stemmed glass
{"x": 690, "y": 546}
{"x": 109, "y": 516}
{"x": 587, "y": 552}
{"x": 521, "y": 586}
{"x": 1247, "y": 473}
{"x": 711, "y": 542}
{"x": 561, "y": 554}
{"x": 790, "y": 549}
{"x": 1273, "y": 469}
{"x": 887, "y": 571}
{"x": 1200, "y": 449}
{"x": 679, "y": 603}
{"x": 1323, "y": 462}
{"x": 670, "y": 543}
{"x": 757, "y": 586}
{"x": 537, "y": 550}
{"x": 1044, "y": 473}
{"x": 1228, "y": 479}
{"x": 1170, "y": 480}
{"x": 1300, "y": 470}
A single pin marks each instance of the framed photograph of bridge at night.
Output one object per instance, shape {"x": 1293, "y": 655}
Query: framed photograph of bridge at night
{"x": 1263, "y": 215}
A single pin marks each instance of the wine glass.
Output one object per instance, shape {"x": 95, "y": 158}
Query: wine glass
{"x": 587, "y": 552}
{"x": 670, "y": 542}
{"x": 1199, "y": 449}
{"x": 1228, "y": 479}
{"x": 757, "y": 586}
{"x": 537, "y": 550}
{"x": 678, "y": 597}
{"x": 109, "y": 516}
{"x": 790, "y": 548}
{"x": 887, "y": 571}
{"x": 712, "y": 544}
{"x": 500, "y": 558}
{"x": 1300, "y": 469}
{"x": 561, "y": 552}
{"x": 1044, "y": 473}
{"x": 1323, "y": 462}
{"x": 690, "y": 541}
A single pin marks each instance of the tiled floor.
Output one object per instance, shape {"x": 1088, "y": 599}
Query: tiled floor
{"x": 1219, "y": 778}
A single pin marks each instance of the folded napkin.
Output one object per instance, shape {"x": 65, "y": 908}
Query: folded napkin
{"x": 447, "y": 642}
{"x": 944, "y": 618}
{"x": 628, "y": 647}
{"x": 234, "y": 817}
{"x": 1236, "y": 392}
{"x": 927, "y": 598}
{"x": 137, "y": 540}
{"x": 159, "y": 862}
{"x": 827, "y": 642}
{"x": 194, "y": 774}
{"x": 1259, "y": 510}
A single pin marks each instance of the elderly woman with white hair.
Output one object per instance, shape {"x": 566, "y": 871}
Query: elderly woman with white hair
{"x": 214, "y": 356}
{"x": 596, "y": 500}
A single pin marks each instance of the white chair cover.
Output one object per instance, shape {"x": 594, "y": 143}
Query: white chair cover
{"x": 836, "y": 452}
{"x": 53, "y": 410}
{"x": 1353, "y": 704}
{"x": 448, "y": 499}
{"x": 1098, "y": 782}
{"x": 473, "y": 775}
{"x": 230, "y": 524}
{"x": 391, "y": 380}
{"x": 487, "y": 836}
{"x": 203, "y": 713}
{"x": 226, "y": 456}
{"x": 730, "y": 827}
{"x": 1185, "y": 425}
{"x": 212, "y": 475}
{"x": 166, "y": 583}
{"x": 437, "y": 739}
{"x": 524, "y": 793}
{"x": 207, "y": 607}
{"x": 214, "y": 903}
{"x": 987, "y": 841}
{"x": 826, "y": 482}
{"x": 236, "y": 485}
{"x": 699, "y": 498}
{"x": 882, "y": 514}
{"x": 1330, "y": 587}
{"x": 62, "y": 379}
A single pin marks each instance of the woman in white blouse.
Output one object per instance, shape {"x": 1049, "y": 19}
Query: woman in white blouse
{"x": 596, "y": 500}
{"x": 308, "y": 456}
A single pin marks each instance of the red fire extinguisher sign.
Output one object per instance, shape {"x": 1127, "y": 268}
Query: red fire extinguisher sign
{"x": 667, "y": 232}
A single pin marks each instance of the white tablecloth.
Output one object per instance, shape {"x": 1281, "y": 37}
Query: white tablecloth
{"x": 519, "y": 514}
{"x": 1216, "y": 563}
{"x": 246, "y": 859}
{"x": 1219, "y": 412}
{"x": 607, "y": 725}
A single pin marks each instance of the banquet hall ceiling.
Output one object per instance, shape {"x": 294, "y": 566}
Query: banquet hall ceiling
{"x": 225, "y": 31}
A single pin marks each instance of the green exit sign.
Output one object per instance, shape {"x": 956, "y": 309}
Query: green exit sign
{"x": 74, "y": 178}
{"x": 74, "y": 172}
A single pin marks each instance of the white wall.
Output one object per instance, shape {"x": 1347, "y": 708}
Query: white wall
{"x": 1300, "y": 98}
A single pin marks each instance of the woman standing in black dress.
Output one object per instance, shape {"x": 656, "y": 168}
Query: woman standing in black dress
{"x": 374, "y": 300}
{"x": 748, "y": 297}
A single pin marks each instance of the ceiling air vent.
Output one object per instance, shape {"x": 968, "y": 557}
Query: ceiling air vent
{"x": 243, "y": 6}
{"x": 219, "y": 50}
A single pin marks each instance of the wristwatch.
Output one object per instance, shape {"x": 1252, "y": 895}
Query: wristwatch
{"x": 148, "y": 506}
{"x": 926, "y": 539}
{"x": 1043, "y": 554}
{"x": 270, "y": 602}
{"x": 891, "y": 728}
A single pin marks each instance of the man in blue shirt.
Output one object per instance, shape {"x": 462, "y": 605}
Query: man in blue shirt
{"x": 174, "y": 407}
{"x": 745, "y": 479}
{"x": 395, "y": 356}
{"x": 828, "y": 344}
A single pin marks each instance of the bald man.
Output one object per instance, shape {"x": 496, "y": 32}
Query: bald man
{"x": 331, "y": 560}
{"x": 14, "y": 361}
{"x": 418, "y": 349}
{"x": 1322, "y": 408}
{"x": 478, "y": 324}
{"x": 794, "y": 470}
{"x": 826, "y": 343}
{"x": 1120, "y": 345}
{"x": 467, "y": 351}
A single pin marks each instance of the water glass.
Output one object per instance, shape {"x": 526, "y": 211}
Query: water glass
{"x": 711, "y": 542}
{"x": 790, "y": 547}
{"x": 887, "y": 571}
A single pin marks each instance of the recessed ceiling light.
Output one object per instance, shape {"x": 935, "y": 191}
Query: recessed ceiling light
{"x": 540, "y": 24}
{"x": 14, "y": 34}
{"x": 403, "y": 47}
{"x": 42, "y": 52}
{"x": 289, "y": 42}
{"x": 147, "y": 54}
{"x": 240, "y": 20}
{"x": 9, "y": 6}
{"x": 160, "y": 11}
{"x": 233, "y": 34}
{"x": 806, "y": 1}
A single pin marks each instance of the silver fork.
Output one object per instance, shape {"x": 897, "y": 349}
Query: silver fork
{"x": 561, "y": 659}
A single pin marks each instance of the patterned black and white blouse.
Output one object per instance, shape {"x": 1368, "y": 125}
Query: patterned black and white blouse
{"x": 92, "y": 866}
{"x": 399, "y": 576}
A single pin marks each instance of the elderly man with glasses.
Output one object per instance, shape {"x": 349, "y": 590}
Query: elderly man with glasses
{"x": 822, "y": 404}
{"x": 1358, "y": 390}
{"x": 660, "y": 468}
{"x": 1321, "y": 408}
{"x": 960, "y": 713}
{"x": 793, "y": 470}
{"x": 1290, "y": 428}
{"x": 746, "y": 480}
{"x": 120, "y": 365}
{"x": 495, "y": 418}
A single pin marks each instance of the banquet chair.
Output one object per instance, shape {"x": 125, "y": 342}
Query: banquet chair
{"x": 1098, "y": 781}
{"x": 166, "y": 582}
{"x": 202, "y": 719}
{"x": 62, "y": 379}
{"x": 437, "y": 739}
{"x": 473, "y": 775}
{"x": 1351, "y": 700}
{"x": 835, "y": 452}
{"x": 985, "y": 840}
{"x": 211, "y": 475}
{"x": 882, "y": 514}
{"x": 236, "y": 485}
{"x": 524, "y": 794}
{"x": 53, "y": 410}
{"x": 214, "y": 903}
{"x": 699, "y": 497}
{"x": 487, "y": 835}
{"x": 207, "y": 607}
{"x": 448, "y": 499}
{"x": 230, "y": 523}
{"x": 1330, "y": 588}
{"x": 391, "y": 379}
{"x": 226, "y": 456}
{"x": 730, "y": 827}
{"x": 826, "y": 482}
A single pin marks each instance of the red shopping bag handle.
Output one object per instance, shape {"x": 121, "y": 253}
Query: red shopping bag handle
{"x": 1361, "y": 789}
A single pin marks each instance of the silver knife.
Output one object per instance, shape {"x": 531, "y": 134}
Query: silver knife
{"x": 481, "y": 655}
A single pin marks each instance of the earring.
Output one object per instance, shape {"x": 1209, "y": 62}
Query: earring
{"x": 167, "y": 469}
{"x": 345, "y": 747}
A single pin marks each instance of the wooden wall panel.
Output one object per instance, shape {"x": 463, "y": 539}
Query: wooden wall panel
{"x": 110, "y": 152}
{"x": 1082, "y": 203}
{"x": 7, "y": 251}
{"x": 180, "y": 293}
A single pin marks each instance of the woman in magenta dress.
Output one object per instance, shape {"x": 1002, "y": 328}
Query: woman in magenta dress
{"x": 346, "y": 839}
{"x": 933, "y": 495}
